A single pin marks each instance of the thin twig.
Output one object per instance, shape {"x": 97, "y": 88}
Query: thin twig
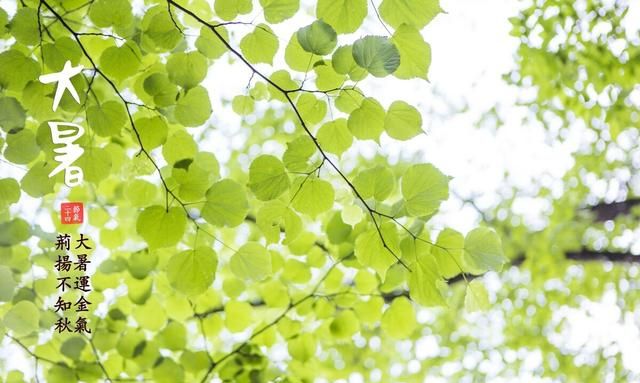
{"x": 127, "y": 103}
{"x": 287, "y": 94}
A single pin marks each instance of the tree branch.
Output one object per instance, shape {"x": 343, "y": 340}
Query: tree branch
{"x": 608, "y": 211}
{"x": 287, "y": 94}
{"x": 586, "y": 255}
{"x": 291, "y": 306}
{"x": 33, "y": 354}
{"x": 143, "y": 150}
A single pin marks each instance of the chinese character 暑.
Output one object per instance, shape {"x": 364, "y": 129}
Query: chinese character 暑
{"x": 82, "y": 262}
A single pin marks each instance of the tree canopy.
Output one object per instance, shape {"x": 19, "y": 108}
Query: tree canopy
{"x": 249, "y": 238}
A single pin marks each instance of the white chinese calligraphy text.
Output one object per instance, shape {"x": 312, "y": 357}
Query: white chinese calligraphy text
{"x": 68, "y": 153}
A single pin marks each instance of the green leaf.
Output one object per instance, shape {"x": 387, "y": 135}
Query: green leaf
{"x": 161, "y": 228}
{"x": 16, "y": 70}
{"x": 107, "y": 119}
{"x": 399, "y": 320}
{"x": 267, "y": 177}
{"x": 159, "y": 32}
{"x": 195, "y": 175}
{"x": 376, "y": 182}
{"x": 318, "y": 38}
{"x": 335, "y": 137}
{"x": 233, "y": 287}
{"x": 296, "y": 271}
{"x": 377, "y": 55}
{"x": 192, "y": 272}
{"x": 476, "y": 297}
{"x": 296, "y": 57}
{"x": 187, "y": 69}
{"x": 62, "y": 50}
{"x": 33, "y": 95}
{"x": 130, "y": 343}
{"x": 417, "y": 13}
{"x": 141, "y": 263}
{"x": 168, "y": 371}
{"x": 337, "y": 230}
{"x": 9, "y": 192}
{"x": 277, "y": 11}
{"x": 415, "y": 53}
{"x": 260, "y": 45}
{"x": 60, "y": 373}
{"x": 164, "y": 92}
{"x": 370, "y": 312}
{"x": 22, "y": 319}
{"x": 13, "y": 114}
{"x": 14, "y": 232}
{"x": 194, "y": 362}
{"x": 302, "y": 347}
{"x": 72, "y": 347}
{"x": 483, "y": 251}
{"x": 281, "y": 78}
{"x": 251, "y": 262}
{"x": 367, "y": 122}
{"x": 274, "y": 216}
{"x": 4, "y": 21}
{"x": 311, "y": 108}
{"x": 230, "y": 9}
{"x": 209, "y": 44}
{"x": 36, "y": 182}
{"x": 243, "y": 105}
{"x": 343, "y": 63}
{"x": 21, "y": 147}
{"x": 153, "y": 131}
{"x": 179, "y": 146}
{"x": 366, "y": 282}
{"x": 24, "y": 26}
{"x": 424, "y": 188}
{"x": 402, "y": 121}
{"x": 299, "y": 151}
{"x": 112, "y": 59}
{"x": 344, "y": 325}
{"x": 194, "y": 108}
{"x": 448, "y": 252}
{"x": 174, "y": 336}
{"x": 107, "y": 13}
{"x": 371, "y": 251}
{"x": 226, "y": 204}
{"x": 425, "y": 276}
{"x": 237, "y": 315}
{"x": 328, "y": 79}
{"x": 96, "y": 163}
{"x": 312, "y": 196}
{"x": 345, "y": 16}
{"x": 140, "y": 193}
{"x": 303, "y": 244}
{"x": 7, "y": 284}
{"x": 139, "y": 291}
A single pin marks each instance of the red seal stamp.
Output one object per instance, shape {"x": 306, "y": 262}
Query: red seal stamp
{"x": 71, "y": 213}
